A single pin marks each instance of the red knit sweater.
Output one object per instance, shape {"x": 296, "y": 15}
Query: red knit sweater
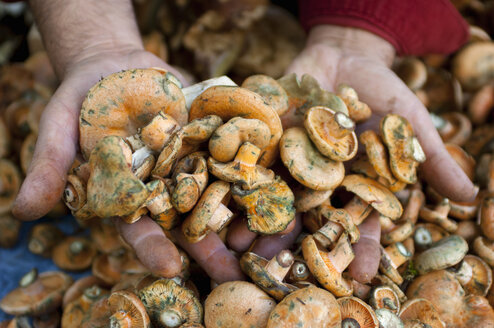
{"x": 414, "y": 27}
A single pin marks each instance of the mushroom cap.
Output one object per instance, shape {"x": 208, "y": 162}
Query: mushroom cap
{"x": 43, "y": 295}
{"x": 79, "y": 312}
{"x": 9, "y": 230}
{"x": 461, "y": 130}
{"x": 384, "y": 297}
{"x": 413, "y": 72}
{"x": 405, "y": 152}
{"x": 307, "y": 199}
{"x": 43, "y": 238}
{"x": 306, "y": 164}
{"x": 170, "y": 305}
{"x": 228, "y": 102}
{"x": 374, "y": 193}
{"x": 356, "y": 313}
{"x": 195, "y": 227}
{"x": 112, "y": 189}
{"x": 10, "y": 182}
{"x": 74, "y": 254}
{"x": 462, "y": 158}
{"x": 122, "y": 102}
{"x": 226, "y": 139}
{"x": 158, "y": 131}
{"x": 473, "y": 65}
{"x": 201, "y": 129}
{"x": 388, "y": 319}
{"x": 167, "y": 157}
{"x": 442, "y": 254}
{"x": 269, "y": 208}
{"x": 270, "y": 90}
{"x": 332, "y": 133}
{"x": 358, "y": 111}
{"x": 422, "y": 310}
{"x": 255, "y": 267}
{"x": 306, "y": 307}
{"x": 4, "y": 138}
{"x": 75, "y": 193}
{"x": 323, "y": 269}
{"x": 127, "y": 307}
{"x": 481, "y": 280}
{"x": 78, "y": 287}
{"x": 105, "y": 236}
{"x": 237, "y": 304}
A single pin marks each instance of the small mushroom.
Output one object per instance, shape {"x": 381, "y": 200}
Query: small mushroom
{"x": 441, "y": 254}
{"x": 269, "y": 275}
{"x": 47, "y": 320}
{"x": 485, "y": 249}
{"x": 473, "y": 66}
{"x": 307, "y": 199}
{"x": 36, "y": 294}
{"x": 327, "y": 267}
{"x": 454, "y": 127}
{"x": 127, "y": 310}
{"x": 270, "y": 90}
{"x": 269, "y": 208}
{"x": 462, "y": 158}
{"x": 161, "y": 208}
{"x": 197, "y": 132}
{"x": 74, "y": 254}
{"x": 382, "y": 280}
{"x": 358, "y": 111}
{"x": 388, "y": 319}
{"x": 480, "y": 105}
{"x": 405, "y": 152}
{"x": 414, "y": 204}
{"x": 170, "y": 305}
{"x": 306, "y": 307}
{"x": 79, "y": 310}
{"x": 338, "y": 221}
{"x": 306, "y": 164}
{"x": 237, "y": 304}
{"x": 384, "y": 297}
{"x": 111, "y": 267}
{"x": 300, "y": 273}
{"x": 391, "y": 258}
{"x": 332, "y": 133}
{"x": 229, "y": 102}
{"x": 243, "y": 169}
{"x": 191, "y": 178}
{"x": 423, "y": 311}
{"x": 474, "y": 275}
{"x": 209, "y": 214}
{"x": 9, "y": 230}
{"x": 105, "y": 236}
{"x": 395, "y": 232}
{"x": 193, "y": 91}
{"x": 355, "y": 313}
{"x": 439, "y": 216}
{"x": 442, "y": 90}
{"x": 10, "y": 182}
{"x": 78, "y": 287}
{"x": 167, "y": 157}
{"x": 413, "y": 72}
{"x": 43, "y": 238}
{"x": 427, "y": 233}
{"x": 468, "y": 230}
{"x": 486, "y": 216}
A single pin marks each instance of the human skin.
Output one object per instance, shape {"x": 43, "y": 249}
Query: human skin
{"x": 89, "y": 39}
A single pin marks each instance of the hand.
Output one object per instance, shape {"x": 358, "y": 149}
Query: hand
{"x": 336, "y": 55}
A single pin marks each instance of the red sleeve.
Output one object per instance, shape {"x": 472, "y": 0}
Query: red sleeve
{"x": 414, "y": 27}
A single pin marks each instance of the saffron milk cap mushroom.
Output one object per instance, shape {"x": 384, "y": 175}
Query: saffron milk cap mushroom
{"x": 391, "y": 258}
{"x": 355, "y": 313}
{"x": 358, "y": 111}
{"x": 74, "y": 254}
{"x": 474, "y": 275}
{"x": 127, "y": 310}
{"x": 9, "y": 230}
{"x": 473, "y": 65}
{"x": 441, "y": 254}
{"x": 270, "y": 90}
{"x": 423, "y": 311}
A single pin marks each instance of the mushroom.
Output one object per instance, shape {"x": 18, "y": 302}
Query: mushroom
{"x": 270, "y": 90}
{"x": 16, "y": 117}
{"x": 307, "y": 199}
{"x": 486, "y": 216}
{"x": 78, "y": 287}
{"x": 161, "y": 208}
{"x": 361, "y": 165}
{"x": 36, "y": 294}
{"x": 485, "y": 249}
{"x": 442, "y": 90}
{"x": 243, "y": 169}
{"x": 269, "y": 208}
{"x": 441, "y": 254}
{"x": 47, "y": 320}
{"x": 462, "y": 158}
{"x": 127, "y": 310}
{"x": 237, "y": 304}
{"x": 269, "y": 275}
{"x": 391, "y": 258}
{"x": 105, "y": 236}
{"x": 384, "y": 297}
{"x": 74, "y": 254}
{"x": 468, "y": 230}
{"x": 170, "y": 305}
{"x": 332, "y": 133}
{"x": 480, "y": 105}
{"x": 196, "y": 132}
{"x": 9, "y": 230}
{"x": 481, "y": 141}
{"x": 379, "y": 159}
{"x": 394, "y": 232}
{"x": 423, "y": 311}
{"x": 110, "y": 267}
{"x": 327, "y": 267}
{"x": 454, "y": 307}
{"x": 473, "y": 66}
{"x": 4, "y": 139}
{"x": 209, "y": 214}
{"x": 382, "y": 280}
{"x": 126, "y": 101}
{"x": 453, "y": 127}
{"x": 405, "y": 152}
{"x": 306, "y": 164}
{"x": 413, "y": 72}
{"x": 229, "y": 102}
{"x": 10, "y": 182}
{"x": 427, "y": 233}
{"x": 193, "y": 91}
{"x": 388, "y": 319}
{"x": 43, "y": 238}
{"x": 191, "y": 178}
{"x": 355, "y": 313}
{"x": 300, "y": 273}
{"x": 358, "y": 111}
{"x": 474, "y": 275}
{"x": 79, "y": 310}
{"x": 439, "y": 216}
{"x": 303, "y": 94}
{"x": 167, "y": 157}
{"x": 306, "y": 307}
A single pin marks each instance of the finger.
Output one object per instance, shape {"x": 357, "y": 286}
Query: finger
{"x": 213, "y": 256}
{"x": 367, "y": 252}
{"x": 389, "y": 94}
{"x": 239, "y": 237}
{"x": 53, "y": 155}
{"x": 152, "y": 247}
{"x": 269, "y": 246}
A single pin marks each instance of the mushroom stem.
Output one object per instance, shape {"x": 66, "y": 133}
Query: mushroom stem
{"x": 464, "y": 273}
{"x": 386, "y": 223}
{"x": 279, "y": 266}
{"x": 248, "y": 154}
{"x": 422, "y": 238}
{"x": 220, "y": 218}
{"x": 415, "y": 202}
{"x": 300, "y": 272}
{"x": 439, "y": 216}
{"x": 328, "y": 234}
{"x": 76, "y": 247}
{"x": 443, "y": 126}
{"x": 29, "y": 278}
{"x": 342, "y": 254}
{"x": 397, "y": 253}
{"x": 171, "y": 318}
{"x": 358, "y": 209}
{"x": 92, "y": 293}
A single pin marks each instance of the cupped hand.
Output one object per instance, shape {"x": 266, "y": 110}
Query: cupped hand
{"x": 335, "y": 55}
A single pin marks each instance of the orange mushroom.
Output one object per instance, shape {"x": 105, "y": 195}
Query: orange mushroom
{"x": 422, "y": 311}
{"x": 127, "y": 310}
{"x": 43, "y": 238}
{"x": 74, "y": 254}
{"x": 270, "y": 90}
{"x": 413, "y": 72}
{"x": 439, "y": 216}
{"x": 10, "y": 182}
{"x": 486, "y": 216}
{"x": 9, "y": 230}
{"x": 441, "y": 254}
{"x": 358, "y": 111}
{"x": 391, "y": 258}
{"x": 472, "y": 66}
{"x": 355, "y": 313}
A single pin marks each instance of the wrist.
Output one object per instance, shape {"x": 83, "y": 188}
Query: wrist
{"x": 353, "y": 41}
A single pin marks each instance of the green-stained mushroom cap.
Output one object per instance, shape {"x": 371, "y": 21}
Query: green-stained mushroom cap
{"x": 442, "y": 254}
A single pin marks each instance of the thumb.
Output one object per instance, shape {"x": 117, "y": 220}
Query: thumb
{"x": 53, "y": 155}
